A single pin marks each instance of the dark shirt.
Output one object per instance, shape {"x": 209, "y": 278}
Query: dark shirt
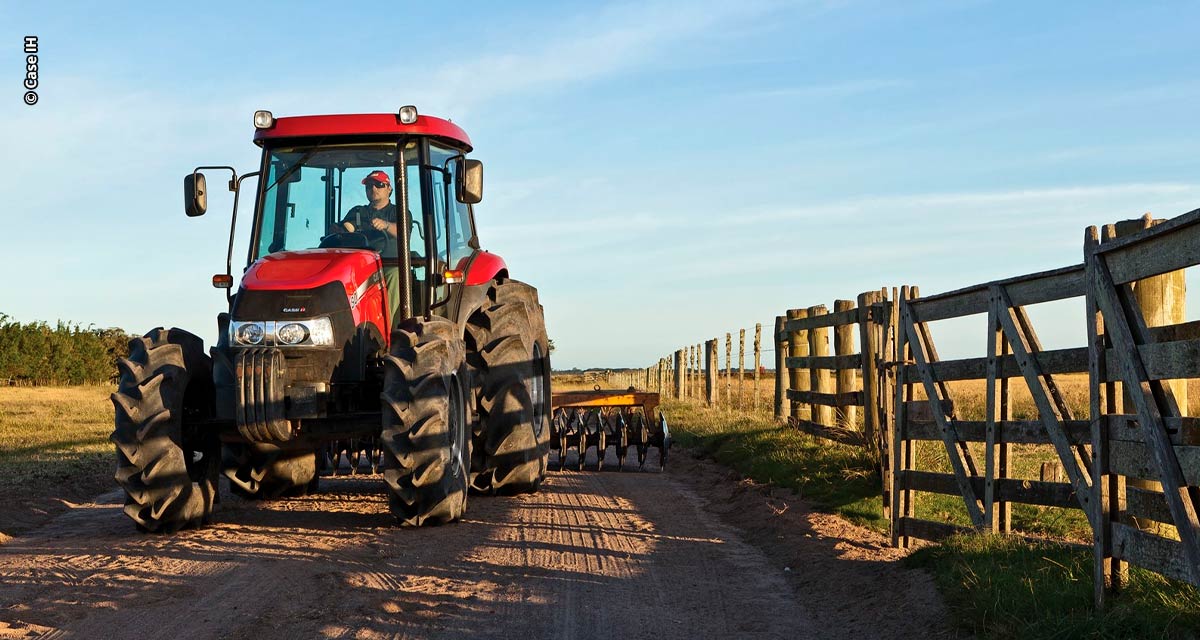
{"x": 361, "y": 217}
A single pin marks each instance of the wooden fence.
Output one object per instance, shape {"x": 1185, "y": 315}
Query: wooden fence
{"x": 1129, "y": 460}
{"x": 694, "y": 372}
{"x": 829, "y": 393}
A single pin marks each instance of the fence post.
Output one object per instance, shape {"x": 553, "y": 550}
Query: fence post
{"x": 1162, "y": 299}
{"x": 843, "y": 345}
{"x": 710, "y": 371}
{"x": 688, "y": 368}
{"x": 741, "y": 368}
{"x": 903, "y": 449}
{"x": 780, "y": 370}
{"x": 798, "y": 348}
{"x": 678, "y": 387}
{"x": 729, "y": 369}
{"x": 695, "y": 354}
{"x": 692, "y": 383}
{"x": 818, "y": 346}
{"x": 889, "y": 317}
{"x": 694, "y": 389}
{"x": 757, "y": 360}
{"x": 687, "y": 371}
{"x": 868, "y": 346}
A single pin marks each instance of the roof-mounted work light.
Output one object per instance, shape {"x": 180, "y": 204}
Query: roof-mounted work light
{"x": 408, "y": 114}
{"x": 263, "y": 120}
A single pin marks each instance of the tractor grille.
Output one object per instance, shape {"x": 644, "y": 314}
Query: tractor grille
{"x": 261, "y": 382}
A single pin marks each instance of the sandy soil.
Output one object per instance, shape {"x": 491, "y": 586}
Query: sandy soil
{"x": 690, "y": 553}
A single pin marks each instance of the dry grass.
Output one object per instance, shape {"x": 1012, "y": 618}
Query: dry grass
{"x": 53, "y": 445}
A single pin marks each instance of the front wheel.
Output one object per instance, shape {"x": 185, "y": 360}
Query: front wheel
{"x": 167, "y": 462}
{"x": 425, "y": 436}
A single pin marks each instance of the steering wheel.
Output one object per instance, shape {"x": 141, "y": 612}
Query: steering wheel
{"x": 377, "y": 240}
{"x": 344, "y": 240}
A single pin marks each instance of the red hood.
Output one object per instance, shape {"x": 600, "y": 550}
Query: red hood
{"x": 310, "y": 268}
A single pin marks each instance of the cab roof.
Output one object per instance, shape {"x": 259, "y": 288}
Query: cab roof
{"x": 361, "y": 124}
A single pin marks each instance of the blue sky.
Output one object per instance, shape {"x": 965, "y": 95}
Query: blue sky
{"x": 663, "y": 172}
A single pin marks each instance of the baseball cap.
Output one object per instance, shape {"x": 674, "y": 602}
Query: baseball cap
{"x": 380, "y": 176}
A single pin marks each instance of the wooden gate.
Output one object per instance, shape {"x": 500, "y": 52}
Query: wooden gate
{"x": 1148, "y": 438}
{"x": 1013, "y": 351}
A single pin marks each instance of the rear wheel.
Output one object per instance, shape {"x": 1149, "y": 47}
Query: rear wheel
{"x": 166, "y": 461}
{"x": 426, "y": 437}
{"x": 509, "y": 356}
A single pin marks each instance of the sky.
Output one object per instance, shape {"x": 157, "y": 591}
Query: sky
{"x": 663, "y": 172}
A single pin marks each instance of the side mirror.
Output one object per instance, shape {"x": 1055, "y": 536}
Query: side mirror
{"x": 470, "y": 181}
{"x": 195, "y": 195}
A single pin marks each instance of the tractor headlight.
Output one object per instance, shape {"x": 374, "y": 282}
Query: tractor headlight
{"x": 291, "y": 333}
{"x": 317, "y": 332}
{"x": 320, "y": 331}
{"x": 249, "y": 333}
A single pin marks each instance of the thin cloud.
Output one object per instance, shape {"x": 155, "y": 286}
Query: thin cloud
{"x": 598, "y": 45}
{"x": 829, "y": 91}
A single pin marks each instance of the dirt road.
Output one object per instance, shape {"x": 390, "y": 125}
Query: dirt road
{"x": 690, "y": 553}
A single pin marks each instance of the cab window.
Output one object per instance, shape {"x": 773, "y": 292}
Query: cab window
{"x": 453, "y": 242}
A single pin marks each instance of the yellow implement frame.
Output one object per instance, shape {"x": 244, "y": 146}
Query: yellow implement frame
{"x": 606, "y": 398}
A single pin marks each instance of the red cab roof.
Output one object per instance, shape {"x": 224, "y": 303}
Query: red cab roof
{"x": 361, "y": 124}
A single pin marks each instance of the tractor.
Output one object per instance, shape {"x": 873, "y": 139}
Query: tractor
{"x": 367, "y": 312}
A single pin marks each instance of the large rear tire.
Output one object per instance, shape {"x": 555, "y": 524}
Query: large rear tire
{"x": 425, "y": 438}
{"x": 166, "y": 463}
{"x": 510, "y": 361}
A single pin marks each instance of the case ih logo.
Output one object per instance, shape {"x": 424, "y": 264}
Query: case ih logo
{"x": 300, "y": 309}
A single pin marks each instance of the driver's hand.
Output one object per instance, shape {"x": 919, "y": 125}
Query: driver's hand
{"x": 379, "y": 224}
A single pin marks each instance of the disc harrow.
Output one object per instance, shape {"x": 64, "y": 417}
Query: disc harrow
{"x": 603, "y": 419}
{"x": 362, "y": 456}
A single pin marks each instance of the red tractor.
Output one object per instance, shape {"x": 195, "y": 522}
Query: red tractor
{"x": 367, "y": 313}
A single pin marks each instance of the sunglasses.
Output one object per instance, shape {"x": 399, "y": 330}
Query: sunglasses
{"x": 377, "y": 184}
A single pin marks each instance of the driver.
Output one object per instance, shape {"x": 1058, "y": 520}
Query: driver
{"x": 379, "y": 214}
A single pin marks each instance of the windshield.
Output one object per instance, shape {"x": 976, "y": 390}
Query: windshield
{"x": 316, "y": 195}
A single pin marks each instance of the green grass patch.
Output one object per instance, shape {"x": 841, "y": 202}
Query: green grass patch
{"x": 834, "y": 477}
{"x": 1005, "y": 587}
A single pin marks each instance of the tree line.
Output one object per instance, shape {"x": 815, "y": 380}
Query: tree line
{"x": 36, "y": 353}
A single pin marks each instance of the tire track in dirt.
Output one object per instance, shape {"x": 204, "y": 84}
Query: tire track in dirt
{"x": 592, "y": 555}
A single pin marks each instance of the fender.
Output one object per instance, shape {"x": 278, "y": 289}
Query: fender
{"x": 483, "y": 268}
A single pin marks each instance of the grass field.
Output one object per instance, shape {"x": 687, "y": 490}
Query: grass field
{"x": 53, "y": 445}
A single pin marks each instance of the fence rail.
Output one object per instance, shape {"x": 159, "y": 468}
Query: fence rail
{"x": 1129, "y": 460}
